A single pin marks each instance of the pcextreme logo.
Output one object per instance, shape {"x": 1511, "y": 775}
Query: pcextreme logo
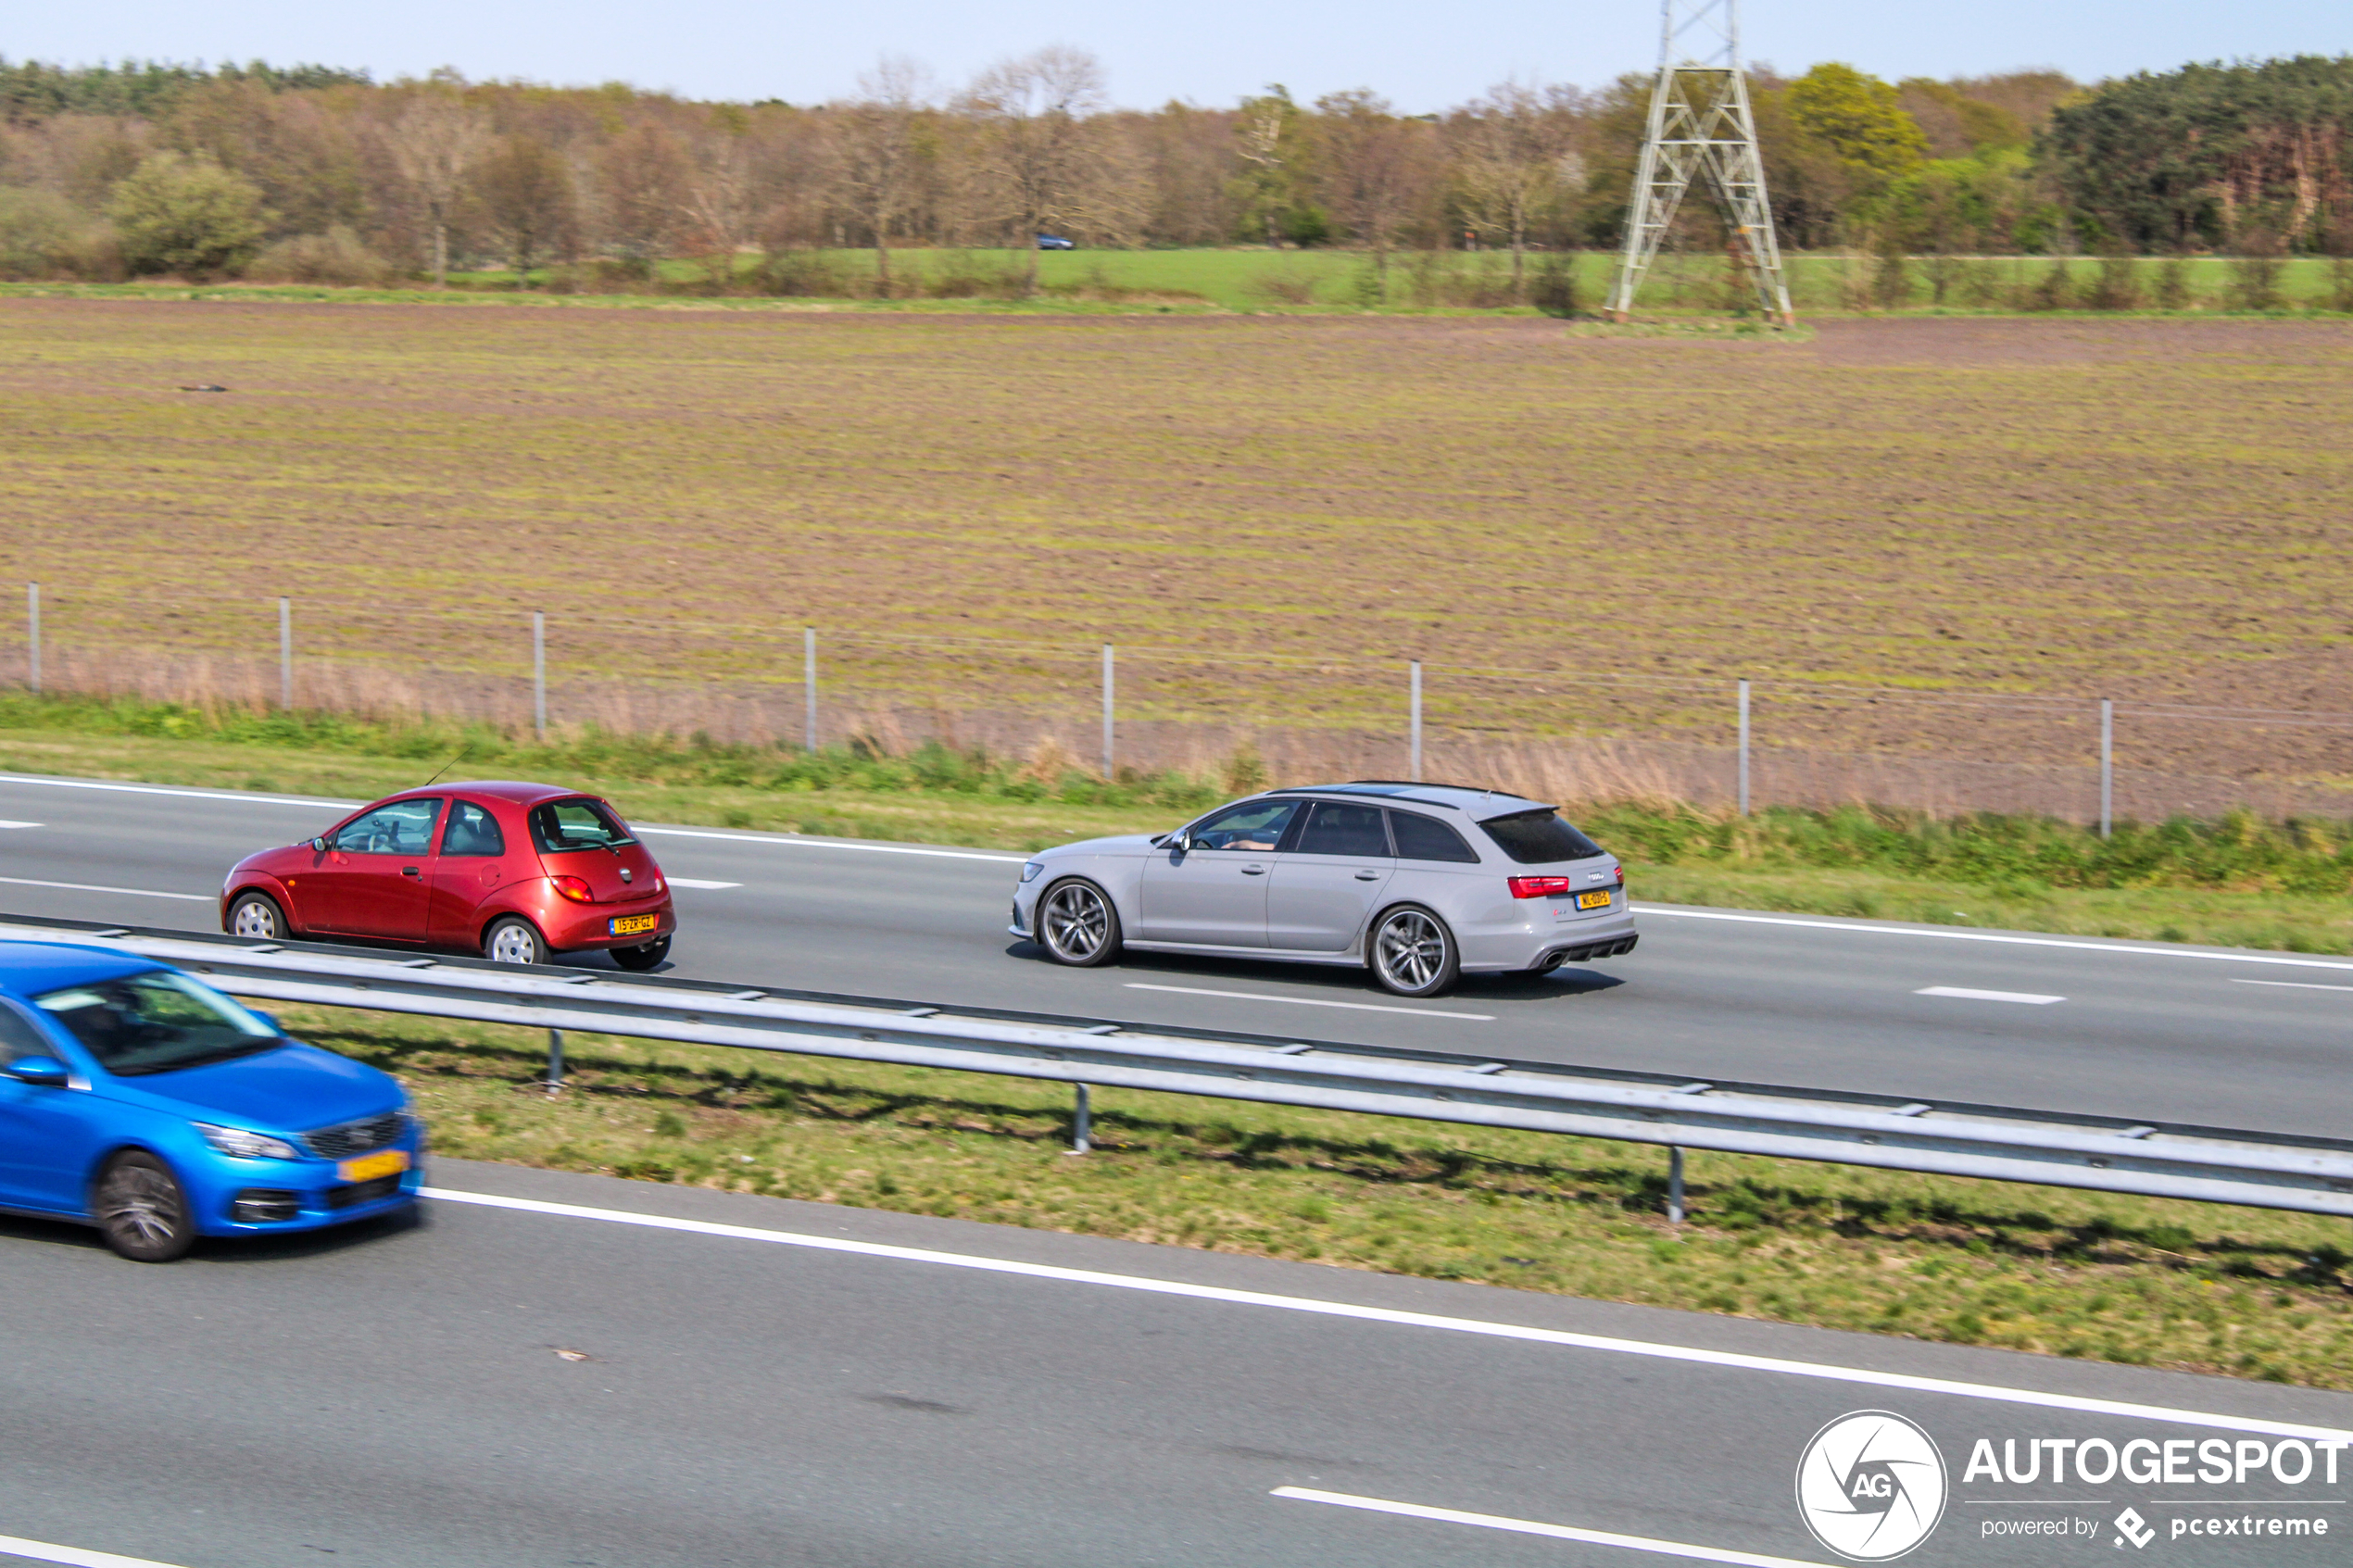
{"x": 1872, "y": 1486}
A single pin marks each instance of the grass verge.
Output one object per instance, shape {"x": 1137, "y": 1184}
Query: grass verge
{"x": 2247, "y": 1293}
{"x": 2232, "y": 882}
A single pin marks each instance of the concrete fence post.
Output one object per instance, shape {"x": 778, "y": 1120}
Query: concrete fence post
{"x": 539, "y": 675}
{"x": 1743, "y": 785}
{"x": 1082, "y": 1122}
{"x": 286, "y": 652}
{"x": 809, "y": 686}
{"x": 1674, "y": 1184}
{"x": 1109, "y": 776}
{"x": 1415, "y": 771}
{"x": 32, "y": 636}
{"x": 555, "y": 1062}
{"x": 2108, "y": 766}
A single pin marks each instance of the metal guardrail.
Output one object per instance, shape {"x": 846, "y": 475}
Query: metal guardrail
{"x": 2104, "y": 1154}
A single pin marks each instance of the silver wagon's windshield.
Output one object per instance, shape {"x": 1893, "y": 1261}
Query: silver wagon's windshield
{"x": 156, "y": 1023}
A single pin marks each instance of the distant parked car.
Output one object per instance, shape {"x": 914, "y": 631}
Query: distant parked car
{"x": 514, "y": 871}
{"x": 1055, "y": 242}
{"x": 137, "y": 1099}
{"x": 1419, "y": 882}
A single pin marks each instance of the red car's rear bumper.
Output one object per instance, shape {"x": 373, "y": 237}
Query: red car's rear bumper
{"x": 569, "y": 925}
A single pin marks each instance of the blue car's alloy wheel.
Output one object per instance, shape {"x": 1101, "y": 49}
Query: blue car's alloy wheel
{"x": 141, "y": 1211}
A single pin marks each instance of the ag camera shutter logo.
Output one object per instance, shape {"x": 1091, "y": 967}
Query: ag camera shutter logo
{"x": 1872, "y": 1486}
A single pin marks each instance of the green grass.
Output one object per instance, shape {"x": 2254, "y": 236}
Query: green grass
{"x": 2238, "y": 881}
{"x": 1312, "y": 282}
{"x": 2197, "y": 1287}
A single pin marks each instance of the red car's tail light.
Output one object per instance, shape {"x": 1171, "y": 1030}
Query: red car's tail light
{"x": 575, "y": 889}
{"x": 1539, "y": 886}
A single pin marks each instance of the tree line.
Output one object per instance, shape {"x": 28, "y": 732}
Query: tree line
{"x": 317, "y": 173}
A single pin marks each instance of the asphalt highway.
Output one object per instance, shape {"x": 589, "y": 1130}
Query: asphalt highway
{"x": 532, "y": 1376}
{"x": 2146, "y": 1030}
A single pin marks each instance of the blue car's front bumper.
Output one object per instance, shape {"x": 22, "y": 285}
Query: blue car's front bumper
{"x": 233, "y": 1197}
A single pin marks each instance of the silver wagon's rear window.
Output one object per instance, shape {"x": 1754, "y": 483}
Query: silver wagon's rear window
{"x": 1539, "y": 838}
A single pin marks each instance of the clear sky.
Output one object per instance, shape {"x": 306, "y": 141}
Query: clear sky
{"x": 1423, "y": 56}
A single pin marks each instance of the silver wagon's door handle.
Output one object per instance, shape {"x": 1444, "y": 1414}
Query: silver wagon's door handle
{"x": 1368, "y": 876}
{"x": 1254, "y": 871}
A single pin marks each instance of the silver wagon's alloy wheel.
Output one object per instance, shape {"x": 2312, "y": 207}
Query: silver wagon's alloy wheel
{"x": 1413, "y": 953}
{"x": 513, "y": 941}
{"x": 255, "y": 919}
{"x": 1078, "y": 925}
{"x": 140, "y": 1209}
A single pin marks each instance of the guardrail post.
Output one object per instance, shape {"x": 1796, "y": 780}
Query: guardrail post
{"x": 32, "y": 636}
{"x": 809, "y": 685}
{"x": 1082, "y": 1124}
{"x": 286, "y": 652}
{"x": 539, "y": 675}
{"x": 1674, "y": 1184}
{"x": 555, "y": 1062}
{"x": 1414, "y": 772}
{"x": 1743, "y": 749}
{"x": 2108, "y": 766}
{"x": 1109, "y": 777}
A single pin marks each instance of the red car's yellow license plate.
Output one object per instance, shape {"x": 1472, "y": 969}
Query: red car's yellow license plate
{"x": 1596, "y": 899}
{"x": 367, "y": 1167}
{"x": 629, "y": 925}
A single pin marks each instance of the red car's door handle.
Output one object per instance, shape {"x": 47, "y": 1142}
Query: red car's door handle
{"x": 407, "y": 870}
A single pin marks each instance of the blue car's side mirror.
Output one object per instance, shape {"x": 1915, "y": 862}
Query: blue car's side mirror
{"x": 42, "y": 1072}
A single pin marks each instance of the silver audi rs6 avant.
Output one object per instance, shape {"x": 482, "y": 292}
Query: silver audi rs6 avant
{"x": 1419, "y": 882}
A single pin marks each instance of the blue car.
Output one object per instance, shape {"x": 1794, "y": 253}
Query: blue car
{"x": 144, "y": 1102}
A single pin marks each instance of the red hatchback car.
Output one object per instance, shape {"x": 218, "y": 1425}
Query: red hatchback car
{"x": 515, "y": 872}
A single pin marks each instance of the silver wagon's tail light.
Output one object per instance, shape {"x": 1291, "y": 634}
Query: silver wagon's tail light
{"x": 1539, "y": 886}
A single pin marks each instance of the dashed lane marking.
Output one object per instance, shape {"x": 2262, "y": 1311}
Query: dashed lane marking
{"x": 1967, "y": 993}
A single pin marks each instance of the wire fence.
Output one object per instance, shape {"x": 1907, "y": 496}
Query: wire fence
{"x": 1719, "y": 741}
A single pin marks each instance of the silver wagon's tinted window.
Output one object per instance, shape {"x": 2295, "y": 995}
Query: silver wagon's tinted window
{"x": 1343, "y": 830}
{"x": 1536, "y": 838}
{"x": 1419, "y": 838}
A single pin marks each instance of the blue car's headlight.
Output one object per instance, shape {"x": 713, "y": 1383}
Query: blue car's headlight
{"x": 1030, "y": 870}
{"x": 238, "y": 1144}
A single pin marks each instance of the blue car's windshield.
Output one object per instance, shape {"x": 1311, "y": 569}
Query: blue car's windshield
{"x": 156, "y": 1023}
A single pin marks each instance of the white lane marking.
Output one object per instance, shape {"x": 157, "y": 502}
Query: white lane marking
{"x": 1530, "y": 1527}
{"x": 790, "y": 842}
{"x": 87, "y": 887}
{"x": 1144, "y": 1283}
{"x": 185, "y": 794}
{"x": 1310, "y": 1002}
{"x": 1952, "y": 936}
{"x": 73, "y": 1556}
{"x": 697, "y": 882}
{"x": 2291, "y": 984}
{"x": 3, "y": 825}
{"x": 1965, "y": 993}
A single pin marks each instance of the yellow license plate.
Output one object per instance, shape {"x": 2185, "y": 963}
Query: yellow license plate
{"x": 629, "y": 925}
{"x": 367, "y": 1167}
{"x": 1596, "y": 899}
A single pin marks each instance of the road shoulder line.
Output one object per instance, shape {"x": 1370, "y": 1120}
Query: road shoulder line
{"x": 1735, "y": 1361}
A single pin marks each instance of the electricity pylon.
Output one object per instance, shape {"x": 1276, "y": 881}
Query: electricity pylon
{"x": 1701, "y": 128}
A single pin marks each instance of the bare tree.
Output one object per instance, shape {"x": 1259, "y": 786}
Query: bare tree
{"x": 880, "y": 159}
{"x": 436, "y": 144}
{"x": 718, "y": 199}
{"x": 640, "y": 175}
{"x": 1036, "y": 158}
{"x": 1375, "y": 166}
{"x": 1514, "y": 156}
{"x": 526, "y": 188}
